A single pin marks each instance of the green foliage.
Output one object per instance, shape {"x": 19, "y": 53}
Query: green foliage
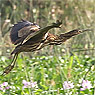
{"x": 49, "y": 72}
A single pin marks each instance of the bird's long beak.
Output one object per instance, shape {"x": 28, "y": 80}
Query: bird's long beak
{"x": 84, "y": 30}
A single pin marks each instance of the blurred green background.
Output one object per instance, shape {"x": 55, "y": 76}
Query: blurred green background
{"x": 51, "y": 66}
{"x": 73, "y": 13}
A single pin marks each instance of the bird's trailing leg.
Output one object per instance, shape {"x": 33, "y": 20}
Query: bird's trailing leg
{"x": 11, "y": 66}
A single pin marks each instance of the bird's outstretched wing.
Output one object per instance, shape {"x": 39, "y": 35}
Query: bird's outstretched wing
{"x": 21, "y": 30}
{"x": 41, "y": 34}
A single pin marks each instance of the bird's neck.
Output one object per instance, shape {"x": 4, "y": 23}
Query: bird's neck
{"x": 46, "y": 29}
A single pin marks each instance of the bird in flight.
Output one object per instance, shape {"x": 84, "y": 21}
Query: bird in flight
{"x": 29, "y": 37}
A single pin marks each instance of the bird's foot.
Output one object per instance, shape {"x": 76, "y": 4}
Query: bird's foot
{"x": 57, "y": 24}
{"x": 8, "y": 69}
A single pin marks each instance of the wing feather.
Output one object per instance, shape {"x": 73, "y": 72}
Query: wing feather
{"x": 21, "y": 30}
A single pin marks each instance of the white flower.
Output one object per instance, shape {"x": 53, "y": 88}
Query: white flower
{"x": 68, "y": 85}
{"x": 86, "y": 85}
{"x": 5, "y": 83}
{"x": 29, "y": 84}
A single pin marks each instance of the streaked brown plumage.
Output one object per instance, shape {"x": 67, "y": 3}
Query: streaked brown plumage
{"x": 28, "y": 37}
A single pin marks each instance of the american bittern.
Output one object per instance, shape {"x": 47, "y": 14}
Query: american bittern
{"x": 29, "y": 37}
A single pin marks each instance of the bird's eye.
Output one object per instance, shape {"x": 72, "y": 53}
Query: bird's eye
{"x": 80, "y": 31}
